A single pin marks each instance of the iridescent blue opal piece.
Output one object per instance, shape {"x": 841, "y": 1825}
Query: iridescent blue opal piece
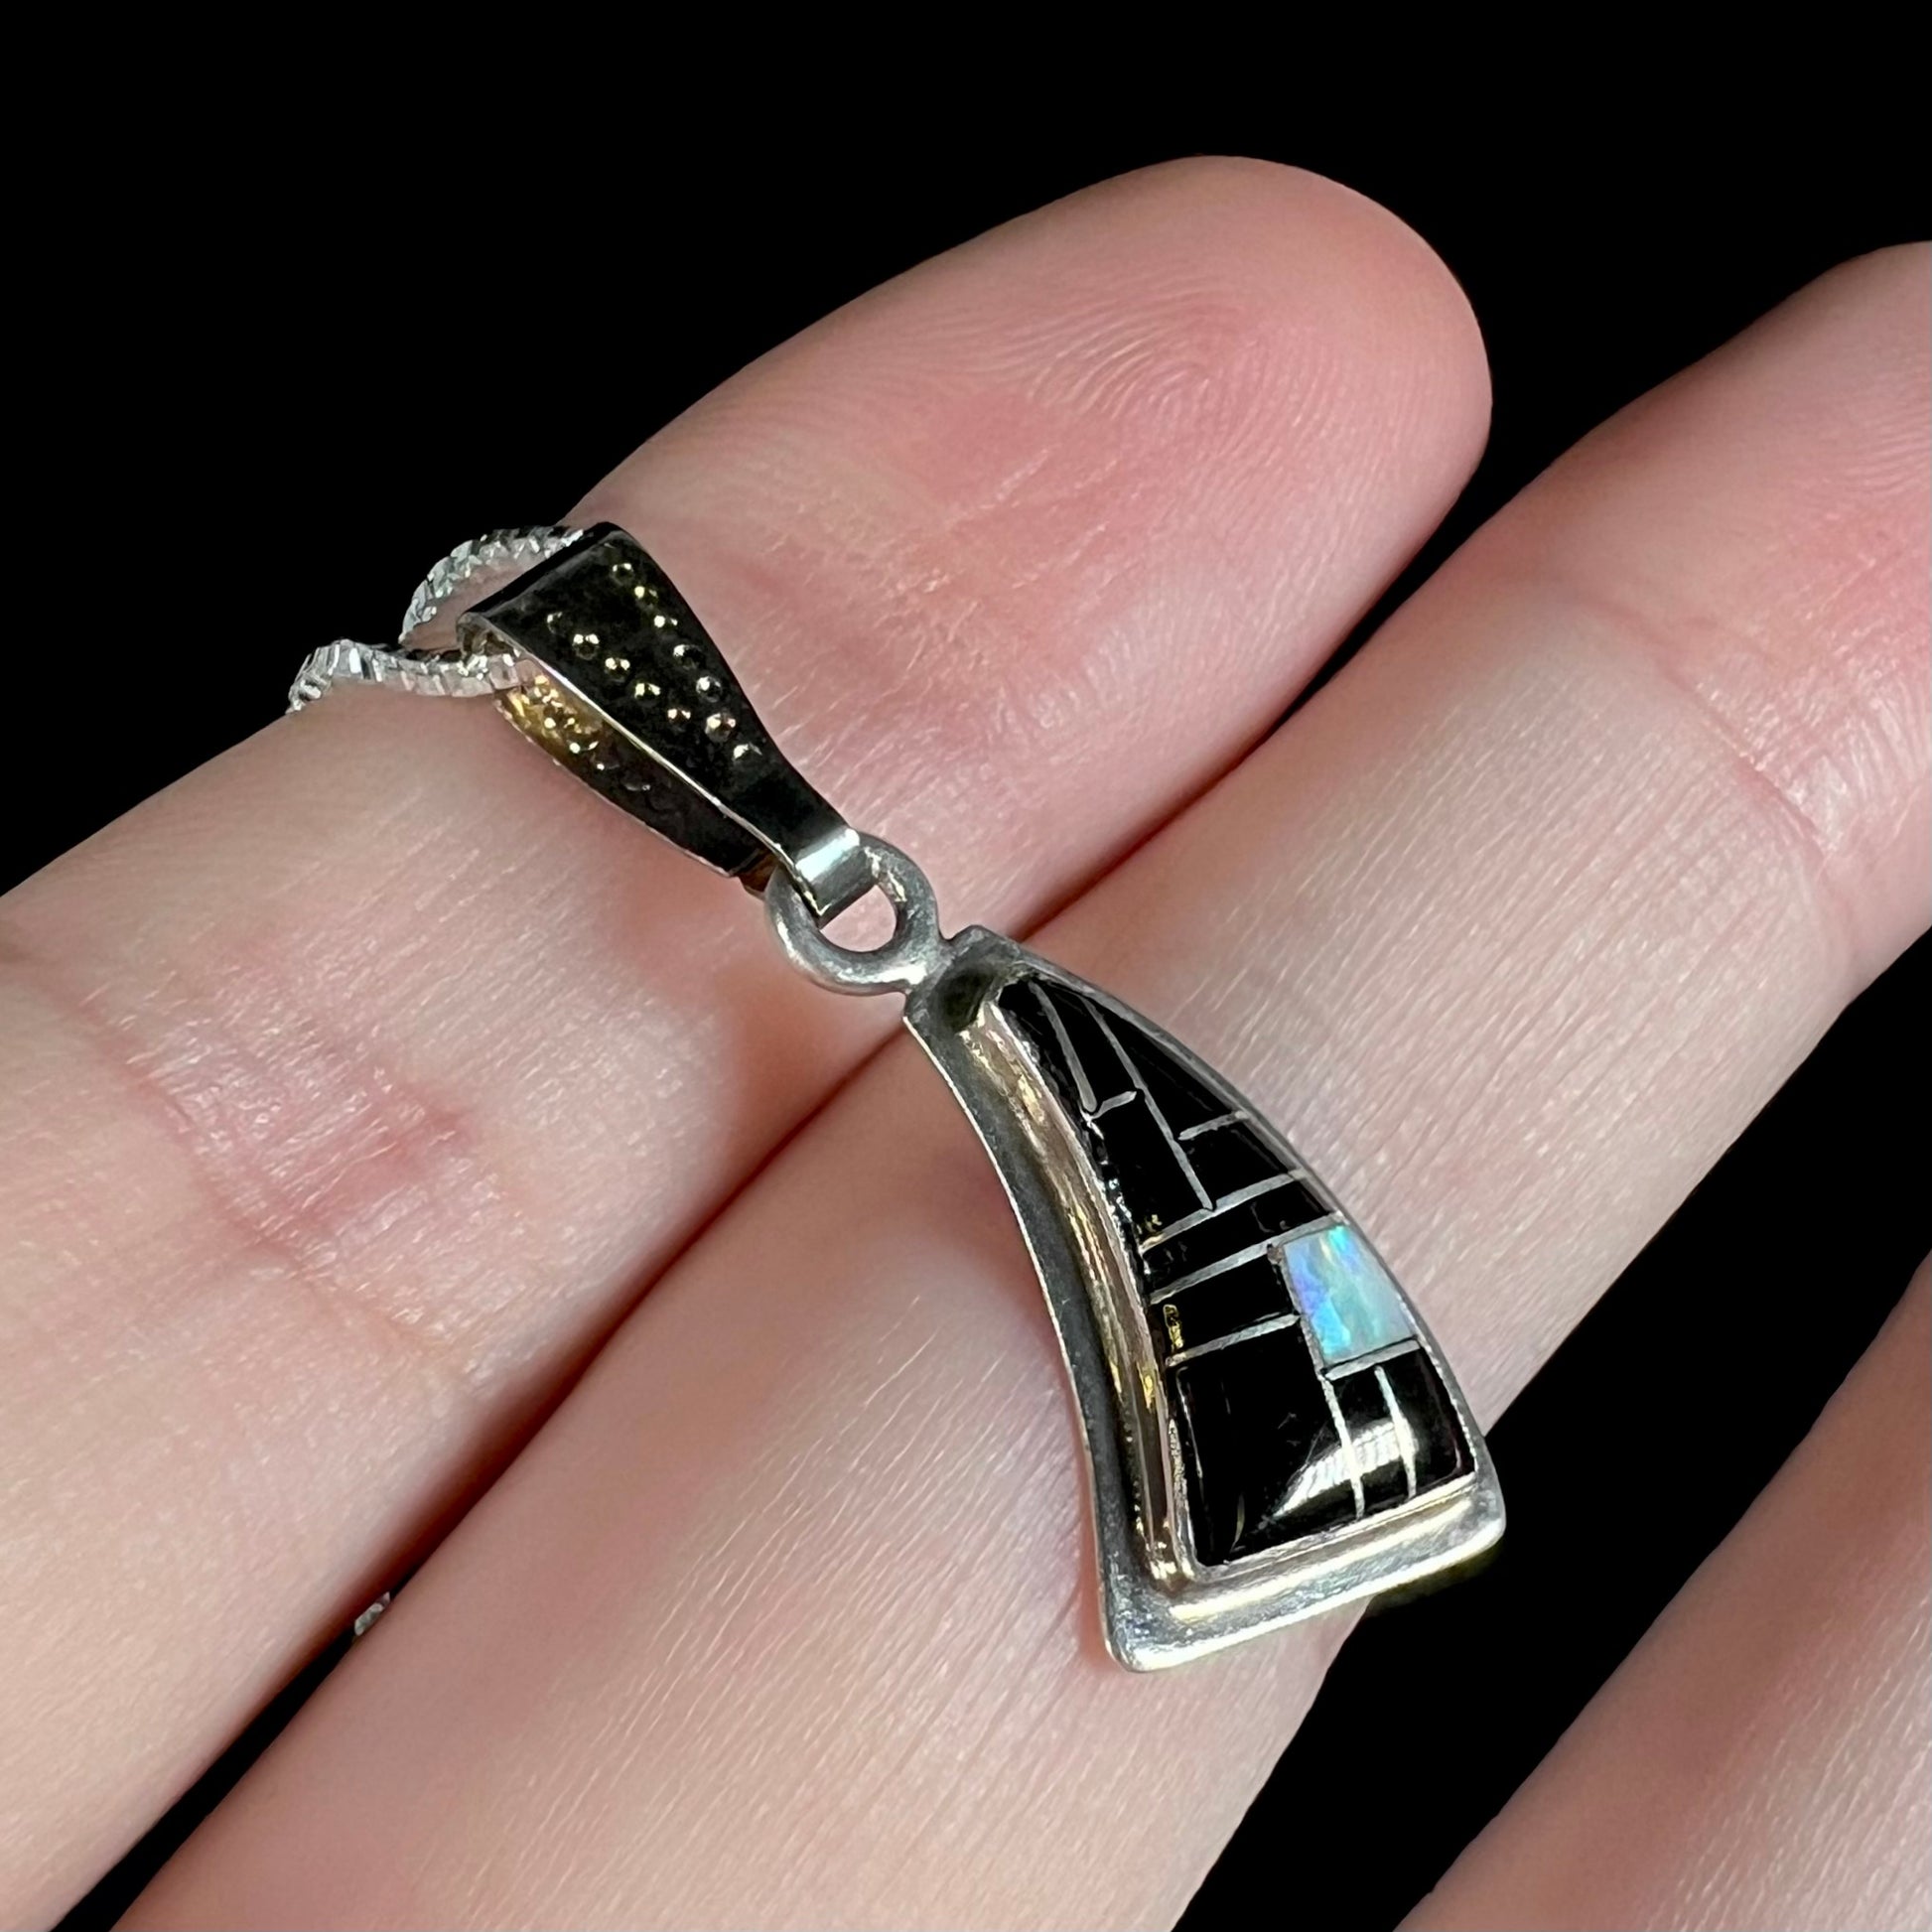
{"x": 1351, "y": 1307}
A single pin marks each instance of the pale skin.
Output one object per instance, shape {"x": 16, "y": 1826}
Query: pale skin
{"x": 364, "y": 1088}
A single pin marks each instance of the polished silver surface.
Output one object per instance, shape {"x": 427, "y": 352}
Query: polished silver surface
{"x": 912, "y": 954}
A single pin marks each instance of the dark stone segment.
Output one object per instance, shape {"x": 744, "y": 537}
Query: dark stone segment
{"x": 1182, "y": 1100}
{"x": 1024, "y": 1005}
{"x": 1156, "y": 1185}
{"x": 1147, "y": 1175}
{"x": 1231, "y": 1157}
{"x": 1106, "y": 1073}
{"x": 1378, "y": 1448}
{"x": 1278, "y": 1211}
{"x": 1442, "y": 1453}
{"x": 1264, "y": 1463}
{"x": 1229, "y": 1301}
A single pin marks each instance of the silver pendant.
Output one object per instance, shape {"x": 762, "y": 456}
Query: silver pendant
{"x": 1270, "y": 1429}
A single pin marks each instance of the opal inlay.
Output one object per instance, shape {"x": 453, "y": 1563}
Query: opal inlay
{"x": 1345, "y": 1296}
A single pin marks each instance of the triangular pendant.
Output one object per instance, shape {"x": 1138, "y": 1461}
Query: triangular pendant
{"x": 1271, "y": 1428}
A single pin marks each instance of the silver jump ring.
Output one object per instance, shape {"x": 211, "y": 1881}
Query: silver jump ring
{"x": 907, "y": 959}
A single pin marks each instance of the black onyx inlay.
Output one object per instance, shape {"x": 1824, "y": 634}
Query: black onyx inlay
{"x": 1182, "y": 1100}
{"x": 1230, "y": 1158}
{"x": 1263, "y": 1462}
{"x": 1099, "y": 1073}
{"x": 1233, "y": 1300}
{"x": 1373, "y": 1429}
{"x": 1227, "y": 1232}
{"x": 1442, "y": 1454}
{"x": 1157, "y": 1188}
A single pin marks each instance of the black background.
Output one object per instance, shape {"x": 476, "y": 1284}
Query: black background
{"x": 291, "y": 330}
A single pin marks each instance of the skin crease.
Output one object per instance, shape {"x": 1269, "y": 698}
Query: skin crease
{"x": 307, "y": 1209}
{"x": 1762, "y": 1758}
{"x": 785, "y": 1617}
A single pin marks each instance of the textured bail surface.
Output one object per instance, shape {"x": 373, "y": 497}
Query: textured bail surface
{"x": 629, "y": 692}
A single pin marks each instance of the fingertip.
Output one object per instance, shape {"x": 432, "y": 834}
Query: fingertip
{"x": 1125, "y": 467}
{"x": 1344, "y": 290}
{"x": 1826, "y": 402}
{"x": 1886, "y": 290}
{"x": 1783, "y": 477}
{"x": 1215, "y": 323}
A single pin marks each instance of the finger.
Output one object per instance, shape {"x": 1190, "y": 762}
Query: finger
{"x": 356, "y": 1083}
{"x": 1760, "y": 1760}
{"x": 785, "y": 1618}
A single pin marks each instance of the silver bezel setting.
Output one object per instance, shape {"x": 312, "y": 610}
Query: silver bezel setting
{"x": 1160, "y": 1604}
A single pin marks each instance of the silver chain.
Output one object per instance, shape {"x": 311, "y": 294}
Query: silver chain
{"x": 446, "y": 672}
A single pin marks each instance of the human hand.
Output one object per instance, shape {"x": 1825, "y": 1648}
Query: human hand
{"x": 357, "y": 1087}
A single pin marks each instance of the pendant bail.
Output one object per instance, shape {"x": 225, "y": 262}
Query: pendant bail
{"x": 625, "y": 688}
